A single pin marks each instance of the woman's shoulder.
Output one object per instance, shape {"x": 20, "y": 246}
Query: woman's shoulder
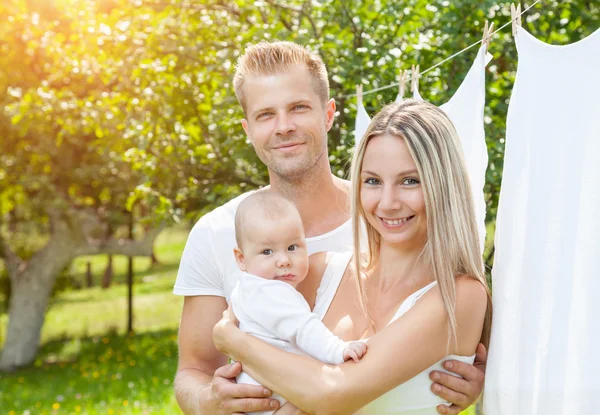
{"x": 471, "y": 292}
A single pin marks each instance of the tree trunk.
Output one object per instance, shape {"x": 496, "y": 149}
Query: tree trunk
{"x": 32, "y": 282}
{"x": 88, "y": 275}
{"x": 108, "y": 273}
{"x": 31, "y": 290}
{"x": 154, "y": 261}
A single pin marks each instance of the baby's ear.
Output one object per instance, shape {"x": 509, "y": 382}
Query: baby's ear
{"x": 239, "y": 258}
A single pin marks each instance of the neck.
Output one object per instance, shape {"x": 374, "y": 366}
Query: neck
{"x": 399, "y": 266}
{"x": 321, "y": 198}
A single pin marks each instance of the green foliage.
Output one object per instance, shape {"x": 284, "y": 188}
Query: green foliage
{"x": 115, "y": 102}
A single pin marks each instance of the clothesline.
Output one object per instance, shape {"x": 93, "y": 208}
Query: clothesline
{"x": 395, "y": 84}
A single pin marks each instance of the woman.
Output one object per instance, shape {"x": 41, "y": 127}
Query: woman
{"x": 417, "y": 291}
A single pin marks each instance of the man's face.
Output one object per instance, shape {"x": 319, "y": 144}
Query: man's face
{"x": 287, "y": 122}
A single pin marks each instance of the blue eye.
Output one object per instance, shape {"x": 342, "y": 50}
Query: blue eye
{"x": 263, "y": 115}
{"x": 372, "y": 181}
{"x": 410, "y": 181}
{"x": 267, "y": 251}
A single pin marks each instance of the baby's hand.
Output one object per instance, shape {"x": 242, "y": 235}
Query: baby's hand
{"x": 355, "y": 350}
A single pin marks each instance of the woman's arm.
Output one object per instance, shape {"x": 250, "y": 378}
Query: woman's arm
{"x": 396, "y": 354}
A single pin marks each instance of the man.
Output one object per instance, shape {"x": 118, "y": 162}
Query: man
{"x": 284, "y": 92}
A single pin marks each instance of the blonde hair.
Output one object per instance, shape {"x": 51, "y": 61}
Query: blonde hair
{"x": 269, "y": 58}
{"x": 261, "y": 204}
{"x": 452, "y": 246}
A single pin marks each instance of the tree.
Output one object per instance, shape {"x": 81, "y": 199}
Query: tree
{"x": 65, "y": 178}
{"x": 120, "y": 102}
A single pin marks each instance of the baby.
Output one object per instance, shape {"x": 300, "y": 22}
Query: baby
{"x": 271, "y": 251}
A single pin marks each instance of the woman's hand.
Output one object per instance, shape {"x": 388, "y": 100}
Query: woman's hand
{"x": 225, "y": 332}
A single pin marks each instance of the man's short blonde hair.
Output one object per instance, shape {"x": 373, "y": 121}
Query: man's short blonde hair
{"x": 270, "y": 58}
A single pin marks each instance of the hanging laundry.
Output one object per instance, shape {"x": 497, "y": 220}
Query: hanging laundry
{"x": 465, "y": 109}
{"x": 545, "y": 334}
{"x": 361, "y": 124}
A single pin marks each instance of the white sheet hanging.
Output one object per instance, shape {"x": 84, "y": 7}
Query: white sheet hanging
{"x": 544, "y": 353}
{"x": 465, "y": 109}
{"x": 361, "y": 124}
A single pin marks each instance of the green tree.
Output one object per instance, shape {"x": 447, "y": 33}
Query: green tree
{"x": 107, "y": 104}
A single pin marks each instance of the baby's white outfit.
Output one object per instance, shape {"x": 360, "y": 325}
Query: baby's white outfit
{"x": 276, "y": 313}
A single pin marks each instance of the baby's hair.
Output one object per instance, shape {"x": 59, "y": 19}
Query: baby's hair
{"x": 265, "y": 204}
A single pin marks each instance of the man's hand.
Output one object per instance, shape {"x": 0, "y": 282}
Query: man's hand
{"x": 461, "y": 392}
{"x": 355, "y": 351}
{"x": 227, "y": 397}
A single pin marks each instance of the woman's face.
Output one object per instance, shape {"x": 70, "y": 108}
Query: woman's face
{"x": 391, "y": 194}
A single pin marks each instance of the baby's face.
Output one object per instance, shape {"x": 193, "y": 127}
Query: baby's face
{"x": 276, "y": 250}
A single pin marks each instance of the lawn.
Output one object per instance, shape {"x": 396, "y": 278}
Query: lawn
{"x": 87, "y": 364}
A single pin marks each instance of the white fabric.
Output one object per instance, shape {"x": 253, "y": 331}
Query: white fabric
{"x": 276, "y": 313}
{"x": 362, "y": 123}
{"x": 465, "y": 110}
{"x": 544, "y": 349}
{"x": 208, "y": 265}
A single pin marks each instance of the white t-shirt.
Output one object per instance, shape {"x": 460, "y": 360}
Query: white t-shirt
{"x": 208, "y": 265}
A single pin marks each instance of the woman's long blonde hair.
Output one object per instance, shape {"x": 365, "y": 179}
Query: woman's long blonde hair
{"x": 452, "y": 246}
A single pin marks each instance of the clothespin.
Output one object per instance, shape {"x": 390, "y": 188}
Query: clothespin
{"x": 515, "y": 15}
{"x": 414, "y": 78}
{"x": 401, "y": 83}
{"x": 359, "y": 95}
{"x": 487, "y": 32}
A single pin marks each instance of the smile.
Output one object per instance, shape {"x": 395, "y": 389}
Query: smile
{"x": 395, "y": 222}
{"x": 289, "y": 147}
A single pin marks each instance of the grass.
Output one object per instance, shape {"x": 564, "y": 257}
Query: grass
{"x": 87, "y": 364}
{"x": 109, "y": 374}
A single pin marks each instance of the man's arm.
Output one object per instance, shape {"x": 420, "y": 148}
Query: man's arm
{"x": 205, "y": 383}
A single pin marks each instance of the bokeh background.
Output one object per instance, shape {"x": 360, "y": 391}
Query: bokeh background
{"x": 119, "y": 128}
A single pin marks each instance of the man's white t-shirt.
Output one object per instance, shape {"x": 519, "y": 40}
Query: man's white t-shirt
{"x": 208, "y": 265}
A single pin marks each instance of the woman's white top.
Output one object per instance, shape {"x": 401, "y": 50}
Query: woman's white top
{"x": 413, "y": 397}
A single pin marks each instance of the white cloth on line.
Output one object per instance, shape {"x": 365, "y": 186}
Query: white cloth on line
{"x": 361, "y": 124}
{"x": 465, "y": 109}
{"x": 545, "y": 335}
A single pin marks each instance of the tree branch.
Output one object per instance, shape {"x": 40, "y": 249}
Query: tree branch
{"x": 356, "y": 32}
{"x": 122, "y": 246}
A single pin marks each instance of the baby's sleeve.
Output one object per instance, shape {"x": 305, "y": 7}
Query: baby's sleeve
{"x": 283, "y": 312}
